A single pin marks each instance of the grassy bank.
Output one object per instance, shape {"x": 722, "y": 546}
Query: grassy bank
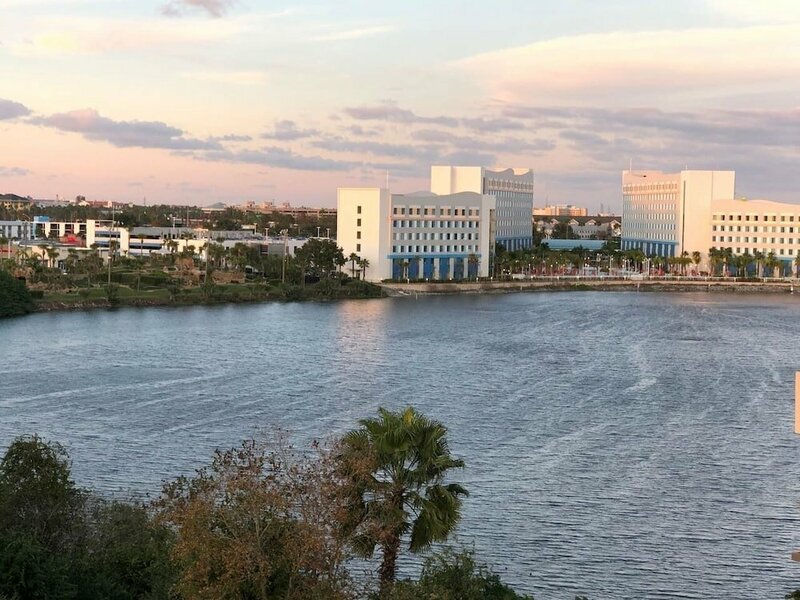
{"x": 121, "y": 295}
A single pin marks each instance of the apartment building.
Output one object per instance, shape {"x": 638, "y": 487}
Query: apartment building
{"x": 693, "y": 211}
{"x": 512, "y": 189}
{"x": 417, "y": 236}
{"x": 16, "y": 230}
{"x": 561, "y": 210}
{"x": 753, "y": 226}
{"x": 666, "y": 214}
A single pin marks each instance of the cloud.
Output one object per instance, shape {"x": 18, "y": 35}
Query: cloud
{"x": 747, "y": 11}
{"x": 374, "y": 148}
{"x": 229, "y": 77}
{"x": 12, "y": 110}
{"x": 353, "y": 33}
{"x": 493, "y": 144}
{"x": 279, "y": 158}
{"x": 391, "y": 113}
{"x": 94, "y": 35}
{"x": 124, "y": 134}
{"x": 231, "y": 138}
{"x": 287, "y": 131}
{"x": 214, "y": 8}
{"x": 636, "y": 67}
{"x": 491, "y": 125}
{"x": 13, "y": 171}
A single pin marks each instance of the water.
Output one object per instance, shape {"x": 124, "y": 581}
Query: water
{"x": 620, "y": 445}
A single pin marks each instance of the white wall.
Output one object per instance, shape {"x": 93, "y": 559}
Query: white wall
{"x": 375, "y": 228}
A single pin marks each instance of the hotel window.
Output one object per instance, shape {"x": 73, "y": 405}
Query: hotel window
{"x": 358, "y": 235}
{"x": 358, "y": 222}
{"x": 358, "y": 209}
{"x": 358, "y": 247}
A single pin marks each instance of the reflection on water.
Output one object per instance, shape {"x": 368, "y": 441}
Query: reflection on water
{"x": 619, "y": 445}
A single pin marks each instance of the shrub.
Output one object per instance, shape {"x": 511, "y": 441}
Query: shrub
{"x": 15, "y": 298}
{"x": 450, "y": 575}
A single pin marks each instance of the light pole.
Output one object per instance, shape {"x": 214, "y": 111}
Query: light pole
{"x": 285, "y": 233}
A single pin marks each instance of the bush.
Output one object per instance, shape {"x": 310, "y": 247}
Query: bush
{"x": 450, "y": 575}
{"x": 15, "y": 298}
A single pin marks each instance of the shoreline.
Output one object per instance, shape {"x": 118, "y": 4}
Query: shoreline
{"x": 583, "y": 285}
{"x": 401, "y": 290}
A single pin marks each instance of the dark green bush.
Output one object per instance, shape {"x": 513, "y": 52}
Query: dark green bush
{"x": 15, "y": 298}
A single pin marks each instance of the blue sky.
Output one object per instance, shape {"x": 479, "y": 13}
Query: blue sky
{"x": 199, "y": 101}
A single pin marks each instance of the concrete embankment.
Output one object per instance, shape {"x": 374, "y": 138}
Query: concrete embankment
{"x": 544, "y": 285}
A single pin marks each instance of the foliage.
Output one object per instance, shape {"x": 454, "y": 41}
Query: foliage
{"x": 259, "y": 524}
{"x": 320, "y": 257}
{"x": 15, "y": 298}
{"x": 54, "y": 546}
{"x": 397, "y": 464}
{"x": 450, "y": 575}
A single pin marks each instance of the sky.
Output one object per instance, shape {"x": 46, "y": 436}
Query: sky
{"x": 205, "y": 101}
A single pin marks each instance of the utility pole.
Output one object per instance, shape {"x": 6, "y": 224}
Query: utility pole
{"x": 285, "y": 233}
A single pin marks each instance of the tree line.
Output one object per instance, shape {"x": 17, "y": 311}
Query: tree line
{"x": 260, "y": 521}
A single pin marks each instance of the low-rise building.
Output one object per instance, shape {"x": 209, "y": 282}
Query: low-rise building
{"x": 16, "y": 230}
{"x": 513, "y": 192}
{"x": 668, "y": 214}
{"x": 561, "y": 210}
{"x": 417, "y": 236}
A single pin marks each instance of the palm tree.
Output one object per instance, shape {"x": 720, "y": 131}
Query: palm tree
{"x": 472, "y": 261}
{"x": 797, "y": 263}
{"x": 52, "y": 256}
{"x": 397, "y": 464}
{"x": 363, "y": 264}
{"x": 759, "y": 258}
{"x": 696, "y": 258}
{"x": 353, "y": 258}
{"x": 771, "y": 263}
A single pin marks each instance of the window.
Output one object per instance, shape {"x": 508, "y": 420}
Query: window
{"x": 358, "y": 235}
{"x": 358, "y": 247}
{"x": 358, "y": 209}
{"x": 358, "y": 222}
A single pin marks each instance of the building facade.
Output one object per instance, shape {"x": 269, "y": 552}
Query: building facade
{"x": 561, "y": 210}
{"x": 756, "y": 226}
{"x": 417, "y": 236}
{"x": 666, "y": 214}
{"x": 694, "y": 211}
{"x": 512, "y": 189}
{"x": 16, "y": 230}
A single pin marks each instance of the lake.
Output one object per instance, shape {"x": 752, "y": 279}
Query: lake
{"x": 618, "y": 445}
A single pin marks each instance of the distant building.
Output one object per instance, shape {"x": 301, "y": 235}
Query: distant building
{"x": 585, "y": 228}
{"x": 16, "y": 230}
{"x": 14, "y": 202}
{"x": 512, "y": 188}
{"x": 285, "y": 208}
{"x": 417, "y": 236}
{"x": 562, "y": 210}
{"x": 667, "y": 214}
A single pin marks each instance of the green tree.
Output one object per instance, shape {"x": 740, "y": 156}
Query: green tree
{"x": 320, "y": 255}
{"x": 450, "y": 575}
{"x": 397, "y": 464}
{"x": 40, "y": 520}
{"x": 15, "y": 299}
{"x": 259, "y": 524}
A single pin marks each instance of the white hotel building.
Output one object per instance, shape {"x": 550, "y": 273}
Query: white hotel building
{"x": 512, "y": 188}
{"x": 417, "y": 236}
{"x": 447, "y": 233}
{"x": 667, "y": 214}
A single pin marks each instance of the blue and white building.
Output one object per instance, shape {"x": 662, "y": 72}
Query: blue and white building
{"x": 417, "y": 236}
{"x": 512, "y": 188}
